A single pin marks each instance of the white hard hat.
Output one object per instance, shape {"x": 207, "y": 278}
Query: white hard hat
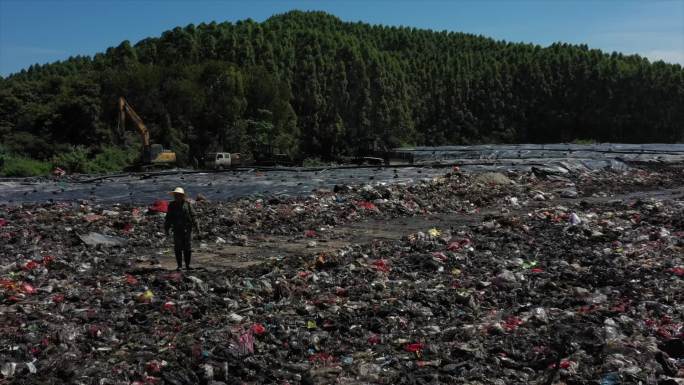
{"x": 178, "y": 190}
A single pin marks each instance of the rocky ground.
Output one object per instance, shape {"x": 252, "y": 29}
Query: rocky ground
{"x": 523, "y": 278}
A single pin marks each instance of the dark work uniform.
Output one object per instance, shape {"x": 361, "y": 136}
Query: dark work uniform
{"x": 181, "y": 218}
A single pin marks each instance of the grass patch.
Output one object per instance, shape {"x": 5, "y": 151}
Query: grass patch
{"x": 76, "y": 160}
{"x": 112, "y": 159}
{"x": 313, "y": 162}
{"x": 19, "y": 166}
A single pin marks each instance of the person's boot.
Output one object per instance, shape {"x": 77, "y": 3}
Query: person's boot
{"x": 187, "y": 256}
{"x": 179, "y": 260}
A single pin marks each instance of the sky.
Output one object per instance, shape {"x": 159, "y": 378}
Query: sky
{"x": 43, "y": 31}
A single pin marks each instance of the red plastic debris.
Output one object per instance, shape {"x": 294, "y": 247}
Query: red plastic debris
{"x": 48, "y": 259}
{"x": 169, "y": 306}
{"x": 564, "y": 364}
{"x": 321, "y": 358}
{"x": 153, "y": 367}
{"x": 90, "y": 218}
{"x": 512, "y": 323}
{"x": 587, "y": 309}
{"x": 58, "y": 298}
{"x": 310, "y": 233}
{"x": 246, "y": 343}
{"x": 27, "y": 288}
{"x": 31, "y": 265}
{"x": 381, "y": 265}
{"x": 665, "y": 328}
{"x": 414, "y": 348}
{"x": 160, "y": 206}
{"x": 94, "y": 331}
{"x": 131, "y": 280}
{"x": 304, "y": 274}
{"x": 458, "y": 245}
{"x": 258, "y": 329}
{"x": 8, "y": 284}
{"x": 127, "y": 228}
{"x": 678, "y": 271}
{"x": 3, "y": 222}
{"x": 366, "y": 205}
{"x": 537, "y": 270}
{"x": 620, "y": 307}
{"x": 176, "y": 276}
{"x": 374, "y": 339}
{"x": 664, "y": 333}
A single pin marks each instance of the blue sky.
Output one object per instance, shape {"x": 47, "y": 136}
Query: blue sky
{"x": 41, "y": 31}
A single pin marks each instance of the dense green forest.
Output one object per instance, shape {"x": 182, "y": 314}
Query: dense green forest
{"x": 308, "y": 84}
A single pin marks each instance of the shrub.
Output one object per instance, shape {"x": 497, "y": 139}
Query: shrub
{"x": 74, "y": 161}
{"x": 313, "y": 162}
{"x": 19, "y": 166}
{"x": 112, "y": 159}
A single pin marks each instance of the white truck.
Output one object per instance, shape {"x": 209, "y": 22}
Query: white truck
{"x": 221, "y": 160}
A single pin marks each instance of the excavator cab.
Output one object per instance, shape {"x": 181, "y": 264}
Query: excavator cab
{"x": 159, "y": 155}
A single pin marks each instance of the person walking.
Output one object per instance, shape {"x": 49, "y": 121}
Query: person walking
{"x": 181, "y": 218}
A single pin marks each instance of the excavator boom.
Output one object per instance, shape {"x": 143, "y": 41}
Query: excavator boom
{"x": 152, "y": 154}
{"x": 126, "y": 109}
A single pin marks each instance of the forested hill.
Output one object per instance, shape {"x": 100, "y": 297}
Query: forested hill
{"x": 308, "y": 84}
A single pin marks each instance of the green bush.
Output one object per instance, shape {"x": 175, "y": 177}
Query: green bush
{"x": 313, "y": 162}
{"x": 18, "y": 166}
{"x": 74, "y": 161}
{"x": 112, "y": 159}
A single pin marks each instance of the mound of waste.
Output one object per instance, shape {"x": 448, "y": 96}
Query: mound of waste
{"x": 559, "y": 284}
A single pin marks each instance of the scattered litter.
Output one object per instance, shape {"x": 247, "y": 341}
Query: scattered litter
{"x": 97, "y": 239}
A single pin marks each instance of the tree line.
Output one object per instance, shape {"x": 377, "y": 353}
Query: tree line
{"x": 308, "y": 84}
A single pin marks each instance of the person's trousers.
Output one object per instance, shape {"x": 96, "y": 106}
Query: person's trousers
{"x": 182, "y": 244}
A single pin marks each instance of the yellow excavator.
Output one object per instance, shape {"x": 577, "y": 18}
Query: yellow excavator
{"x": 153, "y": 155}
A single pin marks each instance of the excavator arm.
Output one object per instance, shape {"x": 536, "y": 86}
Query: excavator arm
{"x": 126, "y": 109}
{"x": 152, "y": 154}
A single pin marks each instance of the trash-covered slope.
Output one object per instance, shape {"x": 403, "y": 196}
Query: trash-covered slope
{"x": 574, "y": 279}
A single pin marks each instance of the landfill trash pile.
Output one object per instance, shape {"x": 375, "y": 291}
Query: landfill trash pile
{"x": 562, "y": 279}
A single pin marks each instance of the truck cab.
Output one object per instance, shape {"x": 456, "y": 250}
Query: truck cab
{"x": 221, "y": 160}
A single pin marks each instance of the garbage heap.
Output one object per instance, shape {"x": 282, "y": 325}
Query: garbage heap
{"x": 541, "y": 290}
